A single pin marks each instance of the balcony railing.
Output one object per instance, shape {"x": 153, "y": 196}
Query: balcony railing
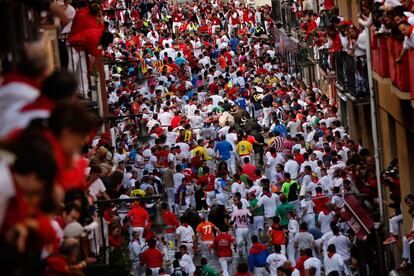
{"x": 351, "y": 72}
{"x": 288, "y": 16}
{"x": 385, "y": 50}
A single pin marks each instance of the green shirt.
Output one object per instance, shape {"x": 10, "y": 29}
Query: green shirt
{"x": 286, "y": 187}
{"x": 282, "y": 210}
{"x": 218, "y": 109}
{"x": 209, "y": 271}
{"x": 258, "y": 211}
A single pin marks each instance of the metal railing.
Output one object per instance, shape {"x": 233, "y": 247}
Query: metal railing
{"x": 351, "y": 72}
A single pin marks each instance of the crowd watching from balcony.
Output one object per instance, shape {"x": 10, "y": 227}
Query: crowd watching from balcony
{"x": 215, "y": 158}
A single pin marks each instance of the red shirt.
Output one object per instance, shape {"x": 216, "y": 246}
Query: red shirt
{"x": 320, "y": 201}
{"x": 222, "y": 243}
{"x": 299, "y": 158}
{"x": 115, "y": 241}
{"x": 175, "y": 121}
{"x": 300, "y": 264}
{"x": 152, "y": 258}
{"x": 170, "y": 220}
{"x": 250, "y": 170}
{"x": 213, "y": 88}
{"x": 207, "y": 179}
{"x": 139, "y": 216}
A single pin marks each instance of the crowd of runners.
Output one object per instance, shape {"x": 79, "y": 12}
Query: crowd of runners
{"x": 248, "y": 162}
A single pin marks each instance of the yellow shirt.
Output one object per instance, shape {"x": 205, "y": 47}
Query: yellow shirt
{"x": 244, "y": 148}
{"x": 203, "y": 151}
{"x": 187, "y": 135}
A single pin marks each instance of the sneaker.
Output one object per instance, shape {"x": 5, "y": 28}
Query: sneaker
{"x": 390, "y": 240}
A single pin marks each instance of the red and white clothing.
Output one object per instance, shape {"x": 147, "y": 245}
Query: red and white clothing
{"x": 333, "y": 262}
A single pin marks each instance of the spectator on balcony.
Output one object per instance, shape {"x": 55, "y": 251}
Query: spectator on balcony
{"x": 57, "y": 88}
{"x": 23, "y": 86}
{"x": 408, "y": 32}
{"x": 84, "y": 38}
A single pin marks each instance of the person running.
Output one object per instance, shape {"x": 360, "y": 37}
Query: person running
{"x": 222, "y": 244}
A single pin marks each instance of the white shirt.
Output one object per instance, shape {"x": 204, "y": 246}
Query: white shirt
{"x": 240, "y": 217}
{"x": 96, "y": 187}
{"x": 171, "y": 137}
{"x": 308, "y": 163}
{"x": 70, "y": 13}
{"x": 165, "y": 118}
{"x": 185, "y": 234}
{"x": 335, "y": 263}
{"x": 187, "y": 264}
{"x": 313, "y": 262}
{"x": 238, "y": 187}
{"x": 275, "y": 260}
{"x": 325, "y": 240}
{"x": 177, "y": 179}
{"x": 292, "y": 167}
{"x": 293, "y": 228}
{"x": 308, "y": 204}
{"x": 338, "y": 201}
{"x": 325, "y": 221}
{"x": 342, "y": 245}
{"x": 326, "y": 183}
{"x": 409, "y": 41}
{"x": 7, "y": 190}
{"x": 196, "y": 122}
{"x": 269, "y": 204}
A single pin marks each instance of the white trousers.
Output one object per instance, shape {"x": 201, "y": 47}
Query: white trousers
{"x": 266, "y": 116}
{"x": 170, "y": 197}
{"x": 257, "y": 225}
{"x": 225, "y": 265}
{"x": 394, "y": 221}
{"x": 291, "y": 253}
{"x": 406, "y": 249}
{"x": 210, "y": 197}
{"x": 205, "y": 249}
{"x": 260, "y": 271}
{"x": 242, "y": 238}
{"x": 78, "y": 66}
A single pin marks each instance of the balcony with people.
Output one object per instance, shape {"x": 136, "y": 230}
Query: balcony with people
{"x": 392, "y": 44}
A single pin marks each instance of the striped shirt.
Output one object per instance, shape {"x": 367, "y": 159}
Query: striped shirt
{"x": 278, "y": 144}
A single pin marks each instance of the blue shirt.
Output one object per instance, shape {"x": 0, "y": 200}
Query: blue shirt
{"x": 241, "y": 102}
{"x": 234, "y": 42}
{"x": 224, "y": 148}
{"x": 180, "y": 61}
{"x": 281, "y": 129}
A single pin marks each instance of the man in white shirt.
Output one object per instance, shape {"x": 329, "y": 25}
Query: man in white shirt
{"x": 240, "y": 218}
{"x": 96, "y": 188}
{"x": 185, "y": 235}
{"x": 293, "y": 229}
{"x": 342, "y": 245}
{"x": 269, "y": 201}
{"x": 197, "y": 123}
{"x": 333, "y": 261}
{"x": 312, "y": 262}
{"x": 165, "y": 118}
{"x": 291, "y": 166}
{"x": 178, "y": 178}
{"x": 275, "y": 260}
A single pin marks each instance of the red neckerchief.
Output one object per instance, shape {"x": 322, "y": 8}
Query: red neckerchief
{"x": 42, "y": 103}
{"x": 16, "y": 77}
{"x": 330, "y": 254}
{"x": 268, "y": 194}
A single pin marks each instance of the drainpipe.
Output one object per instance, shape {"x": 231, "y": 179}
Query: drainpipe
{"x": 377, "y": 149}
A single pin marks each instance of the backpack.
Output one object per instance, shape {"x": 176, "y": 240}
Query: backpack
{"x": 293, "y": 191}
